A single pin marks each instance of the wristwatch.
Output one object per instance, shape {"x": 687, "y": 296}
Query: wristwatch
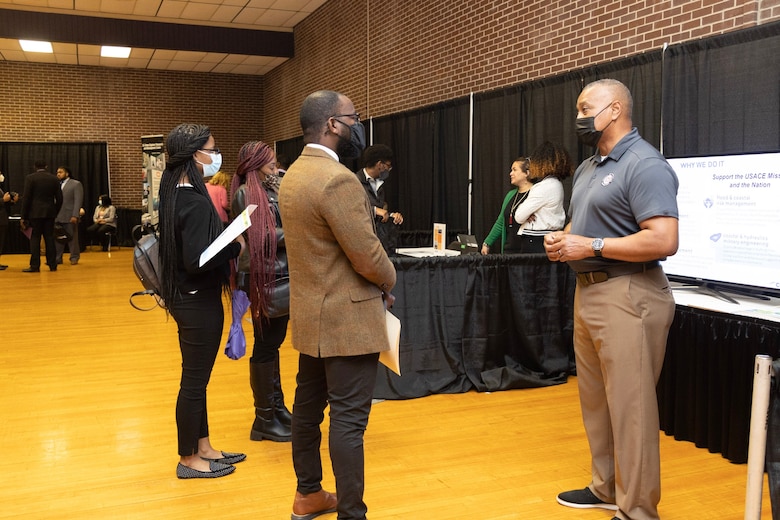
{"x": 597, "y": 245}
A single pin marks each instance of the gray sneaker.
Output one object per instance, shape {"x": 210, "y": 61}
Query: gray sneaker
{"x": 584, "y": 499}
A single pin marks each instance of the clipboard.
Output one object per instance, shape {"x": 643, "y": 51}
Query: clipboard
{"x": 391, "y": 358}
{"x": 240, "y": 224}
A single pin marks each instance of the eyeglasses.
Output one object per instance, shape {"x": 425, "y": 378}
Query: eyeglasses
{"x": 209, "y": 150}
{"x": 355, "y": 116}
{"x": 389, "y": 166}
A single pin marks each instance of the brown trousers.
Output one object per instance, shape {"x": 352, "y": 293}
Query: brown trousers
{"x": 620, "y": 331}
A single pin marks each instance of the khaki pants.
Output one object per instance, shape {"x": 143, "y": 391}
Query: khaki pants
{"x": 620, "y": 332}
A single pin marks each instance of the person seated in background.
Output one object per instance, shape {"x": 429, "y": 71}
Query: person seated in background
{"x": 217, "y": 187}
{"x": 104, "y": 221}
{"x": 542, "y": 211}
{"x": 505, "y": 227}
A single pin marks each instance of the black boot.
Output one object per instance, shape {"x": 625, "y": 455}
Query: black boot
{"x": 266, "y": 425}
{"x": 280, "y": 410}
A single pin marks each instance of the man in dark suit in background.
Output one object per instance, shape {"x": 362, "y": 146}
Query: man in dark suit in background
{"x": 68, "y": 216}
{"x": 41, "y": 202}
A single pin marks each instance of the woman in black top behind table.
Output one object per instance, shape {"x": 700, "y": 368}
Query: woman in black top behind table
{"x": 188, "y": 223}
{"x": 256, "y": 182}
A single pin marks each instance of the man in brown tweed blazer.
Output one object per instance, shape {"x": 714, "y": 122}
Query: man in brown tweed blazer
{"x": 340, "y": 277}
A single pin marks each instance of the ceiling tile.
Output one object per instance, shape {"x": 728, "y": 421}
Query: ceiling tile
{"x": 117, "y": 6}
{"x": 171, "y": 8}
{"x": 146, "y": 7}
{"x": 274, "y": 18}
{"x": 226, "y": 13}
{"x": 268, "y": 15}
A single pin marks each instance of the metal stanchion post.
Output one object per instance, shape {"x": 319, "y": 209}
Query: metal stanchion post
{"x": 762, "y": 379}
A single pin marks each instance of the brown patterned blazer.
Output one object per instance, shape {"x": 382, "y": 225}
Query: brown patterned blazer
{"x": 337, "y": 264}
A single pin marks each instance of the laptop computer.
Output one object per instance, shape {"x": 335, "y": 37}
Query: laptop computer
{"x": 468, "y": 240}
{"x": 466, "y": 244}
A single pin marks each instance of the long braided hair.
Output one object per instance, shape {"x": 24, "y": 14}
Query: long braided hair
{"x": 261, "y": 235}
{"x": 181, "y": 145}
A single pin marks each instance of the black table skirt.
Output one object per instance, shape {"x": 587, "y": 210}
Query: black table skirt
{"x": 499, "y": 322}
{"x": 706, "y": 386}
{"x": 488, "y": 323}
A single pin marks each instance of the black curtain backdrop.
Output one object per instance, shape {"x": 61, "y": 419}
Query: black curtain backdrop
{"x": 722, "y": 94}
{"x": 429, "y": 182}
{"x": 411, "y": 137}
{"x": 290, "y": 147}
{"x": 88, "y": 163}
{"x": 497, "y": 143}
{"x": 642, "y": 75}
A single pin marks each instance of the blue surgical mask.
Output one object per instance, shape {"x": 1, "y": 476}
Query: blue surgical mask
{"x": 209, "y": 170}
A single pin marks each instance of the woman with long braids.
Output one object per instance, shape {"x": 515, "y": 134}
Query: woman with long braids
{"x": 256, "y": 182}
{"x": 188, "y": 223}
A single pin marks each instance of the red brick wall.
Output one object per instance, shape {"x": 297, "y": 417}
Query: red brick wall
{"x": 386, "y": 55}
{"x": 42, "y": 102}
{"x": 421, "y": 52}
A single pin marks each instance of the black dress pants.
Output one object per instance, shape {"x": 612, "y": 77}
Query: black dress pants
{"x": 269, "y": 336}
{"x": 347, "y": 385}
{"x": 42, "y": 227}
{"x": 200, "y": 318}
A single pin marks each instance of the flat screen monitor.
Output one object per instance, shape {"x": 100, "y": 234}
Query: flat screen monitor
{"x": 729, "y": 223}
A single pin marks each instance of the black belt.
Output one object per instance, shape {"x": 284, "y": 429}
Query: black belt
{"x": 605, "y": 274}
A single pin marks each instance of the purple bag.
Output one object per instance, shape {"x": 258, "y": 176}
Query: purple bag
{"x": 236, "y": 343}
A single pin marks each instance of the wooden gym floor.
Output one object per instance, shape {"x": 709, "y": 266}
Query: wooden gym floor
{"x": 88, "y": 430}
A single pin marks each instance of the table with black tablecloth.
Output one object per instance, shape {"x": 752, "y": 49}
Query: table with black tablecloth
{"x": 706, "y": 386}
{"x": 488, "y": 323}
{"x": 499, "y": 322}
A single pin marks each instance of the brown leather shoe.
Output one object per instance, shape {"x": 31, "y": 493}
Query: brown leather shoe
{"x": 306, "y": 507}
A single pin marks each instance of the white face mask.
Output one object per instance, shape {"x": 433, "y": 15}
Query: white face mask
{"x": 210, "y": 170}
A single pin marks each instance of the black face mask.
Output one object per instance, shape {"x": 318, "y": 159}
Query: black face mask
{"x": 354, "y": 146}
{"x": 586, "y": 129}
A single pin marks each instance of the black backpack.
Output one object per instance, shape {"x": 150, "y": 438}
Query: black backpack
{"x": 146, "y": 258}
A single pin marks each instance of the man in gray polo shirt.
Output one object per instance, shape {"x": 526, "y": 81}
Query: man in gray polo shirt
{"x": 623, "y": 221}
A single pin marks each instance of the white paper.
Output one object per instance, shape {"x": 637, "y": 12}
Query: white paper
{"x": 391, "y": 358}
{"x": 422, "y": 252}
{"x": 240, "y": 224}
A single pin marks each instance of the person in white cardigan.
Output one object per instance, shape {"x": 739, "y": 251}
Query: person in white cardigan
{"x": 543, "y": 212}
